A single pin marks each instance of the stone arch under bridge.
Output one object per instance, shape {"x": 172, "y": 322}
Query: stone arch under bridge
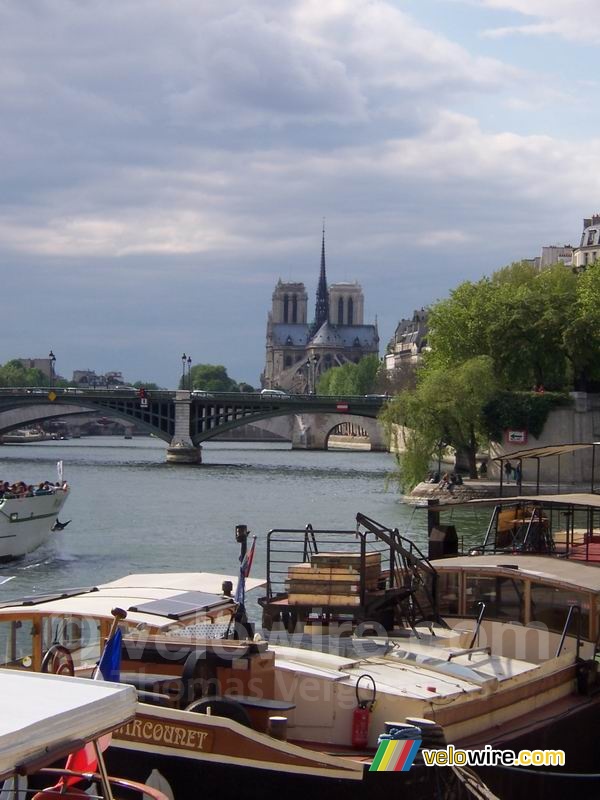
{"x": 312, "y": 432}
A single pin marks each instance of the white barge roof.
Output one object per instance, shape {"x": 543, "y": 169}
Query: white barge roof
{"x": 43, "y": 712}
{"x": 575, "y": 574}
{"x": 157, "y": 599}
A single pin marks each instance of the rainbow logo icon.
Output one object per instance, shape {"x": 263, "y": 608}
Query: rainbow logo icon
{"x": 395, "y": 755}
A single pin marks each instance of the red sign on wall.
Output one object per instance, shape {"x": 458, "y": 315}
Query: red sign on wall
{"x": 341, "y": 407}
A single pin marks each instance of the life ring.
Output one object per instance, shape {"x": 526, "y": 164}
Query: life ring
{"x": 58, "y": 660}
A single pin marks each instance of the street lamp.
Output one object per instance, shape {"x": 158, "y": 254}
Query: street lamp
{"x": 189, "y": 363}
{"x": 52, "y": 358}
{"x": 183, "y": 363}
{"x": 310, "y": 371}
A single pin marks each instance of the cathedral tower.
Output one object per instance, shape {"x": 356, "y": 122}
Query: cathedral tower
{"x": 289, "y": 304}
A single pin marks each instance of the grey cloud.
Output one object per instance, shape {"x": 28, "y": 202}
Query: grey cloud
{"x": 164, "y": 163}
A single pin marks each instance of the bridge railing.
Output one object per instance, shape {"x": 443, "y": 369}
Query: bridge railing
{"x": 102, "y": 391}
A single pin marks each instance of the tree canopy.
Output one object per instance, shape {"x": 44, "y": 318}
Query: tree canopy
{"x": 350, "y": 379}
{"x": 212, "y": 378}
{"x": 539, "y": 327}
{"x": 13, "y": 373}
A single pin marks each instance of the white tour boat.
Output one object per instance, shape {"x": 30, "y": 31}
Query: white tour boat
{"x": 27, "y": 521}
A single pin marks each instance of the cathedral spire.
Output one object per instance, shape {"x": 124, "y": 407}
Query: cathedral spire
{"x": 322, "y": 306}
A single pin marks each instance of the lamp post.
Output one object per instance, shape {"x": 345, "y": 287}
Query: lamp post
{"x": 183, "y": 363}
{"x": 310, "y": 371}
{"x": 52, "y": 358}
{"x": 189, "y": 363}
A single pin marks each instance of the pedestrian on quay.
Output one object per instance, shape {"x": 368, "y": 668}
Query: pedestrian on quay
{"x": 508, "y": 471}
{"x": 517, "y": 474}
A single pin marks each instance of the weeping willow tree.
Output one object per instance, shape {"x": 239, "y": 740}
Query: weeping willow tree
{"x": 446, "y": 409}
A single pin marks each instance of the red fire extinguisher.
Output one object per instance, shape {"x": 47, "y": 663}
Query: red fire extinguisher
{"x": 360, "y": 715}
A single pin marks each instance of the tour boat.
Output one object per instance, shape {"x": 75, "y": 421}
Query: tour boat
{"x": 23, "y": 436}
{"x": 45, "y": 719}
{"x": 244, "y": 714}
{"x": 27, "y": 522}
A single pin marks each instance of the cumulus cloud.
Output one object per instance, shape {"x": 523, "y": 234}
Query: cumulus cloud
{"x": 575, "y": 20}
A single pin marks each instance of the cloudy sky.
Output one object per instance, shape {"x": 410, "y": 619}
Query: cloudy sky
{"x": 164, "y": 162}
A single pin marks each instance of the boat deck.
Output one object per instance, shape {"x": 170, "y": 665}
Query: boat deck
{"x": 585, "y": 552}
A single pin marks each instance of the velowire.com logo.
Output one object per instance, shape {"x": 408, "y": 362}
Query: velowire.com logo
{"x": 395, "y": 755}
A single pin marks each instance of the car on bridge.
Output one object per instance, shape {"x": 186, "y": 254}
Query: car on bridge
{"x": 274, "y": 393}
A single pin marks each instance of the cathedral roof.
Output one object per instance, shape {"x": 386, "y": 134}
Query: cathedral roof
{"x": 330, "y": 335}
{"x": 290, "y": 334}
{"x": 326, "y": 335}
{"x": 366, "y": 334}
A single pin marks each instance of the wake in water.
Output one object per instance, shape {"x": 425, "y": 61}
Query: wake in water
{"x": 6, "y": 580}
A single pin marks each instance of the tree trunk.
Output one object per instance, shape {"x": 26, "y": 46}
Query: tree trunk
{"x": 463, "y": 460}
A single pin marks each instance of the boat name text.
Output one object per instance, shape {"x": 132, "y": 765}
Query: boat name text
{"x": 147, "y": 730}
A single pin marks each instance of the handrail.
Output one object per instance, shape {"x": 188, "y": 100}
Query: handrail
{"x": 469, "y": 651}
{"x": 572, "y": 608}
{"x": 492, "y": 524}
{"x": 478, "y": 625}
{"x": 122, "y": 783}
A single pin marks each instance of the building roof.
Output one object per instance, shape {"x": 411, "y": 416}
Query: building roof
{"x": 347, "y": 336}
{"x": 328, "y": 335}
{"x": 291, "y": 334}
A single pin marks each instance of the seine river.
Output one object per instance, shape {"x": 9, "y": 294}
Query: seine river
{"x": 132, "y": 512}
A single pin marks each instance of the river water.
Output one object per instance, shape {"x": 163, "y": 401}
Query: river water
{"x": 132, "y": 512}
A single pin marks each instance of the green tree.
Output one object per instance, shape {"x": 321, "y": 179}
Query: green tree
{"x": 519, "y": 317}
{"x": 350, "y": 379}
{"x": 211, "y": 378}
{"x": 13, "y": 373}
{"x": 581, "y": 335}
{"x": 445, "y": 409}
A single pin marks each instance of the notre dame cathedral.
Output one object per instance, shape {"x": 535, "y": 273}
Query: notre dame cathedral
{"x": 298, "y": 352}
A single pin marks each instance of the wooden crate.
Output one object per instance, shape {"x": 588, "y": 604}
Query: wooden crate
{"x": 332, "y": 579}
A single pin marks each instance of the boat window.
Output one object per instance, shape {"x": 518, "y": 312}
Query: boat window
{"x": 503, "y": 597}
{"x": 80, "y": 635}
{"x": 447, "y": 589}
{"x": 16, "y": 643}
{"x": 550, "y": 606}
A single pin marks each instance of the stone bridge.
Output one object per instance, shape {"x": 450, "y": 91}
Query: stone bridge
{"x": 184, "y": 420}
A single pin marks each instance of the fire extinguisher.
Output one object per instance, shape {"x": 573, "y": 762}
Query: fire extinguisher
{"x": 360, "y": 715}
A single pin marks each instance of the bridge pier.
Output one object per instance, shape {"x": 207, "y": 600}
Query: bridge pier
{"x": 182, "y": 450}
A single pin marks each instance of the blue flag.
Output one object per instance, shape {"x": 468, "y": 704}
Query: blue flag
{"x": 109, "y": 665}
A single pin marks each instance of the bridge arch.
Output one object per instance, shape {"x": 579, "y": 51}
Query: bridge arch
{"x": 314, "y": 431}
